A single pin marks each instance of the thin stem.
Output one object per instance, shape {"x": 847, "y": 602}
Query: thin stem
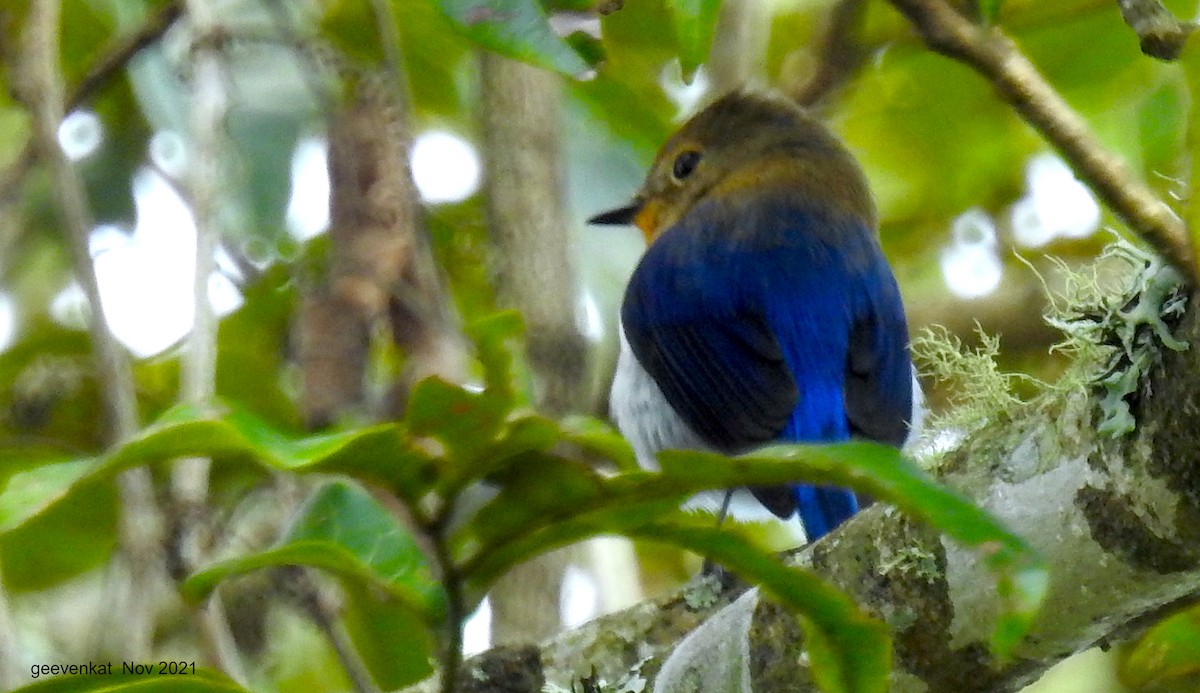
{"x": 452, "y": 581}
{"x": 300, "y": 584}
{"x": 839, "y": 54}
{"x": 141, "y": 523}
{"x": 190, "y": 476}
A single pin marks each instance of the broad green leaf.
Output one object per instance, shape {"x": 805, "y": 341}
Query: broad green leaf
{"x": 524, "y": 435}
{"x": 1168, "y": 651}
{"x": 202, "y": 681}
{"x": 854, "y": 649}
{"x": 30, "y": 480}
{"x": 516, "y": 28}
{"x": 377, "y": 454}
{"x": 467, "y": 422}
{"x": 464, "y": 421}
{"x": 851, "y": 651}
{"x": 695, "y": 22}
{"x": 344, "y": 530}
{"x": 538, "y": 489}
{"x": 61, "y": 540}
{"x": 596, "y": 437}
{"x": 396, "y": 644}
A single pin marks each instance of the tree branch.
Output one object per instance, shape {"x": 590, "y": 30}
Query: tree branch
{"x": 996, "y": 58}
{"x": 839, "y": 57}
{"x": 1159, "y": 33}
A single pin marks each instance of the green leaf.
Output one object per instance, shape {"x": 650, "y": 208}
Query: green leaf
{"x": 394, "y": 601}
{"x": 546, "y": 501}
{"x": 465, "y": 422}
{"x": 851, "y": 651}
{"x": 345, "y": 531}
{"x": 377, "y": 454}
{"x": 31, "y": 480}
{"x": 1169, "y": 650}
{"x": 695, "y": 22}
{"x": 202, "y": 681}
{"x": 470, "y": 423}
{"x": 516, "y": 28}
{"x": 395, "y": 643}
{"x": 494, "y": 337}
{"x": 61, "y": 540}
{"x": 1021, "y": 575}
{"x": 598, "y": 438}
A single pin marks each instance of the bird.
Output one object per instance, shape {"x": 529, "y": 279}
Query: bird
{"x": 763, "y": 309}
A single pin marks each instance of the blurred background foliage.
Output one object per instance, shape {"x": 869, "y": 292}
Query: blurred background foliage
{"x": 973, "y": 204}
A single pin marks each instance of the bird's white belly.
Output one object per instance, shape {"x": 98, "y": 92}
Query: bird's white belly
{"x": 651, "y": 424}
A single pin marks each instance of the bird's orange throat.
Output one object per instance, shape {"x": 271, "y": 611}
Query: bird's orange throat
{"x": 647, "y": 217}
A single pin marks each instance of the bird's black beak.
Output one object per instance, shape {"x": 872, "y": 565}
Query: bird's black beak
{"x": 618, "y": 216}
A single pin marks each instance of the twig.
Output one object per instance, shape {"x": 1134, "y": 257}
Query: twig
{"x": 112, "y": 62}
{"x": 839, "y": 54}
{"x": 298, "y": 584}
{"x": 209, "y": 109}
{"x": 141, "y": 522}
{"x": 190, "y": 476}
{"x": 1160, "y": 34}
{"x": 995, "y": 57}
{"x": 739, "y": 45}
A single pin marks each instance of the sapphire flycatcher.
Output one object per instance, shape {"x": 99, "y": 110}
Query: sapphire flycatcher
{"x": 763, "y": 310}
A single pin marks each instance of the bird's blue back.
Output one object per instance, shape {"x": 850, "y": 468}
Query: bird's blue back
{"x": 774, "y": 317}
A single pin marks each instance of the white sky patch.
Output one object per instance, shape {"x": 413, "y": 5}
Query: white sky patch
{"x": 145, "y": 277}
{"x": 445, "y": 167}
{"x": 686, "y": 96}
{"x": 80, "y": 134}
{"x": 477, "y": 631}
{"x": 1056, "y": 204}
{"x": 69, "y": 307}
{"x": 8, "y": 321}
{"x": 308, "y": 207}
{"x": 971, "y": 265}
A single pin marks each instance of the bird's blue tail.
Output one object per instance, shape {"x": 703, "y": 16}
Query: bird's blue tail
{"x": 822, "y": 508}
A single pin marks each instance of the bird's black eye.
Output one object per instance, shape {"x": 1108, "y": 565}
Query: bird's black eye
{"x": 685, "y": 163}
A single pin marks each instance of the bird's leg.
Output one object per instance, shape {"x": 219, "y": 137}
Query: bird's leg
{"x": 724, "y": 506}
{"x": 711, "y": 568}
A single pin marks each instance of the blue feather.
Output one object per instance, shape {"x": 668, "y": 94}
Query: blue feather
{"x": 772, "y": 321}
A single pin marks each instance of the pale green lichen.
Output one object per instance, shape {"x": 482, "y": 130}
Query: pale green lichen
{"x": 703, "y": 593}
{"x": 977, "y": 390}
{"x": 1116, "y": 320}
{"x": 1115, "y": 314}
{"x": 909, "y": 561}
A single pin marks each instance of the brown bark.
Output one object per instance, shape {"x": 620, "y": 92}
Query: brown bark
{"x": 382, "y": 270}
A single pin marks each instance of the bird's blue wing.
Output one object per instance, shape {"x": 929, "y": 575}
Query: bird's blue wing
{"x": 747, "y": 328}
